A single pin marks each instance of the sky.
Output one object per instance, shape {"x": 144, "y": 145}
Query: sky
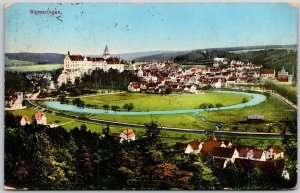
{"x": 86, "y": 28}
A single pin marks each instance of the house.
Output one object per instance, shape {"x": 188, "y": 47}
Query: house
{"x": 255, "y": 119}
{"x": 274, "y": 152}
{"x": 25, "y": 120}
{"x": 40, "y": 118}
{"x": 193, "y": 88}
{"x": 218, "y": 84}
{"x": 127, "y": 135}
{"x": 188, "y": 148}
{"x": 224, "y": 153}
{"x": 134, "y": 87}
{"x": 276, "y": 166}
{"x": 209, "y": 145}
{"x": 251, "y": 153}
{"x": 14, "y": 101}
{"x": 267, "y": 73}
{"x": 284, "y": 77}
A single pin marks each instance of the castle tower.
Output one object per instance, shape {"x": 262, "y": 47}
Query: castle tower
{"x": 106, "y": 53}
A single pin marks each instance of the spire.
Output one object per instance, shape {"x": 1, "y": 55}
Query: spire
{"x": 106, "y": 50}
{"x": 106, "y": 53}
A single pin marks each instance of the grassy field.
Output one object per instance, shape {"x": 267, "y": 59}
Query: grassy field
{"x": 33, "y": 68}
{"x": 11, "y": 63}
{"x": 145, "y": 102}
{"x": 273, "y": 110}
{"x": 168, "y": 137}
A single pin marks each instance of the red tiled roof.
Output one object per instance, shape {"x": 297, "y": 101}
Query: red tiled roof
{"x": 113, "y": 60}
{"x": 76, "y": 57}
{"x": 264, "y": 165}
{"x": 209, "y": 145}
{"x": 38, "y": 115}
{"x": 276, "y": 148}
{"x": 223, "y": 152}
{"x": 267, "y": 71}
{"x": 283, "y": 79}
{"x": 128, "y": 133}
{"x": 181, "y": 146}
{"x": 194, "y": 145}
{"x": 26, "y": 118}
{"x": 219, "y": 161}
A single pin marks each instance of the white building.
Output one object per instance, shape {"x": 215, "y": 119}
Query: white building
{"x": 274, "y": 152}
{"x": 77, "y": 65}
{"x": 40, "y": 118}
{"x": 25, "y": 120}
{"x": 127, "y": 135}
{"x": 14, "y": 101}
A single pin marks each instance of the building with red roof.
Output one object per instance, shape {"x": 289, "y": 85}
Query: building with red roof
{"x": 40, "y": 118}
{"x": 25, "y": 120}
{"x": 127, "y": 135}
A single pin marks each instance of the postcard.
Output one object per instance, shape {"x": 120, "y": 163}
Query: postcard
{"x": 150, "y": 96}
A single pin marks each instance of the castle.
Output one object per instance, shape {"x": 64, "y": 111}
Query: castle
{"x": 77, "y": 65}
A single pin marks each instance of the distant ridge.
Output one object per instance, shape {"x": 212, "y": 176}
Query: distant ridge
{"x": 55, "y": 58}
{"x": 196, "y": 53}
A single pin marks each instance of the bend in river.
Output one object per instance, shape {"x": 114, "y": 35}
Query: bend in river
{"x": 256, "y": 99}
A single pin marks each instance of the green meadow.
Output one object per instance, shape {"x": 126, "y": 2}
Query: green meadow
{"x": 34, "y": 68}
{"x": 150, "y": 102}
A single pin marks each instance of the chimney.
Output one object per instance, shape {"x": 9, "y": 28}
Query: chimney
{"x": 69, "y": 53}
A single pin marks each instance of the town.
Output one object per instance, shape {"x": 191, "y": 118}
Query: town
{"x": 151, "y": 96}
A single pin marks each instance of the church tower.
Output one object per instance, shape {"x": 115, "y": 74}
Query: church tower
{"x": 106, "y": 54}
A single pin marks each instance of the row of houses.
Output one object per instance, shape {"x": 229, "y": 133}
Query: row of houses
{"x": 223, "y": 152}
{"x": 157, "y": 77}
{"x": 39, "y": 117}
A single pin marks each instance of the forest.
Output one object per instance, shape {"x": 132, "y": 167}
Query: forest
{"x": 38, "y": 157}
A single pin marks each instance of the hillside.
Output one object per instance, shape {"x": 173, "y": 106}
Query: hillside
{"x": 197, "y": 56}
{"x": 39, "y": 58}
{"x": 272, "y": 58}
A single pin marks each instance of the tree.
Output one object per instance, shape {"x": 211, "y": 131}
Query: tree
{"x": 62, "y": 99}
{"x": 203, "y": 106}
{"x": 290, "y": 146}
{"x": 128, "y": 106}
{"x": 83, "y": 168}
{"x": 152, "y": 134}
{"x": 245, "y": 100}
{"x": 10, "y": 120}
{"x": 78, "y": 102}
{"x": 115, "y": 108}
{"x": 106, "y": 107}
{"x": 165, "y": 176}
{"x": 210, "y": 105}
{"x": 219, "y": 105}
{"x": 230, "y": 176}
{"x": 202, "y": 178}
{"x": 168, "y": 90}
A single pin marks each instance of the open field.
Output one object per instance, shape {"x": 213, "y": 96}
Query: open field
{"x": 14, "y": 63}
{"x": 169, "y": 137}
{"x": 273, "y": 110}
{"x": 33, "y": 68}
{"x": 145, "y": 102}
